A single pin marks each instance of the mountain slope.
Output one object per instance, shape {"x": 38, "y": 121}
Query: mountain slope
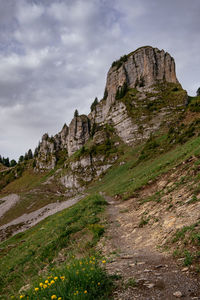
{"x": 139, "y": 145}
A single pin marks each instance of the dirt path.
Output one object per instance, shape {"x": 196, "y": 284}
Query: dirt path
{"x": 146, "y": 274}
{"x": 26, "y": 221}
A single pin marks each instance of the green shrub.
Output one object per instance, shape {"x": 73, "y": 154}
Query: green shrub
{"x": 81, "y": 279}
{"x": 121, "y": 91}
{"x": 118, "y": 63}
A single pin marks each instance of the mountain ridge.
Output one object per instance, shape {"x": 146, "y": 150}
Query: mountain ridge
{"x": 131, "y": 169}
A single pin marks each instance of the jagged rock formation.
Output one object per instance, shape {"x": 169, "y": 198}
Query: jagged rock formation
{"x": 143, "y": 67}
{"x": 141, "y": 93}
{"x": 79, "y": 133}
{"x": 141, "y": 70}
{"x": 46, "y": 158}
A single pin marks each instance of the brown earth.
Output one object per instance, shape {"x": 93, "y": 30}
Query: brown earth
{"x": 133, "y": 253}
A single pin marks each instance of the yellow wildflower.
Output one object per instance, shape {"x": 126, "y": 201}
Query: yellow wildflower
{"x": 21, "y": 296}
{"x": 46, "y": 281}
{"x": 85, "y": 292}
{"x": 36, "y": 289}
{"x": 62, "y": 278}
{"x": 55, "y": 278}
{"x": 41, "y": 284}
{"x": 103, "y": 261}
{"x": 59, "y": 298}
{"x": 44, "y": 286}
{"x": 98, "y": 283}
{"x": 52, "y": 281}
{"x": 53, "y": 297}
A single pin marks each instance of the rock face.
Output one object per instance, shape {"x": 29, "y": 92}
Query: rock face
{"x": 46, "y": 158}
{"x": 70, "y": 138}
{"x": 79, "y": 133}
{"x": 143, "y": 67}
{"x": 139, "y": 70}
{"x": 132, "y": 87}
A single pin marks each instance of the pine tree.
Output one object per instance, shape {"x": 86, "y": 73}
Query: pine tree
{"x": 13, "y": 163}
{"x": 36, "y": 152}
{"x": 94, "y": 104}
{"x": 21, "y": 158}
{"x": 6, "y": 162}
{"x": 30, "y": 154}
{"x": 76, "y": 114}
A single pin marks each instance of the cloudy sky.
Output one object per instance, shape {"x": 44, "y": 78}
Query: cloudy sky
{"x": 55, "y": 54}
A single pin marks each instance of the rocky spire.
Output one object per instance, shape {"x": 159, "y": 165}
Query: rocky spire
{"x": 141, "y": 68}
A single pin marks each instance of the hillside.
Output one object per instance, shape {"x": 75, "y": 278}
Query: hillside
{"x": 121, "y": 185}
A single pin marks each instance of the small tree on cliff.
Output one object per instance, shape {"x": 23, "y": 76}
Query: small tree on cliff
{"x": 13, "y": 163}
{"x": 94, "y": 104}
{"x": 76, "y": 114}
{"x": 21, "y": 158}
{"x": 30, "y": 154}
{"x": 198, "y": 92}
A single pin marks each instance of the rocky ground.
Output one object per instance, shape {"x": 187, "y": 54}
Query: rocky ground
{"x": 28, "y": 220}
{"x": 145, "y": 273}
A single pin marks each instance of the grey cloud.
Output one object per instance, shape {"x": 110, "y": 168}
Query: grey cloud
{"x": 54, "y": 56}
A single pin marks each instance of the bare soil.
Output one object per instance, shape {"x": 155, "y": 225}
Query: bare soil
{"x": 26, "y": 221}
{"x": 145, "y": 273}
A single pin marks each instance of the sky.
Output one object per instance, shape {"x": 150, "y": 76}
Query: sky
{"x": 55, "y": 55}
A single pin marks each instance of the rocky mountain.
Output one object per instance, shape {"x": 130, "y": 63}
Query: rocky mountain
{"x": 140, "y": 143}
{"x": 142, "y": 95}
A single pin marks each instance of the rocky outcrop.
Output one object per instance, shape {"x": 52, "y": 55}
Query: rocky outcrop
{"x": 79, "y": 133}
{"x": 70, "y": 138}
{"x": 46, "y": 153}
{"x": 140, "y": 70}
{"x": 84, "y": 170}
{"x": 138, "y": 74}
{"x": 143, "y": 67}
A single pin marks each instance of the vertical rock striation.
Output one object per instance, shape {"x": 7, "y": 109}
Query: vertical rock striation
{"x": 79, "y": 133}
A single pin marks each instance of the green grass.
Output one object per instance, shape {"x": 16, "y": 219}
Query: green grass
{"x": 127, "y": 178}
{"x": 194, "y": 104}
{"x": 30, "y": 202}
{"x": 27, "y": 181}
{"x": 190, "y": 232}
{"x": 187, "y": 241}
{"x": 75, "y": 230}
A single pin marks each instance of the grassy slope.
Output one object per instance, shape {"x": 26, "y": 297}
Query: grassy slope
{"x": 76, "y": 230}
{"x": 34, "y": 194}
{"x": 73, "y": 231}
{"x": 125, "y": 179}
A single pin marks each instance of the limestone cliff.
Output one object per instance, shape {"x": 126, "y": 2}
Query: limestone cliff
{"x": 139, "y": 72}
{"x": 142, "y": 93}
{"x": 46, "y": 153}
{"x": 79, "y": 133}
